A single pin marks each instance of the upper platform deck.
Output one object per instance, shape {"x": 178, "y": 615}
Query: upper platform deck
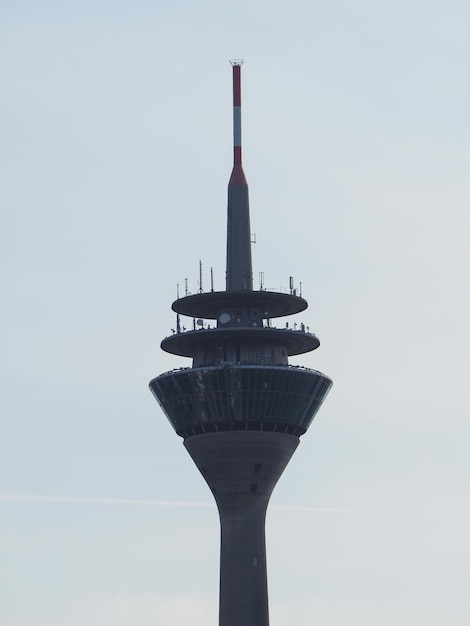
{"x": 188, "y": 343}
{"x": 210, "y": 305}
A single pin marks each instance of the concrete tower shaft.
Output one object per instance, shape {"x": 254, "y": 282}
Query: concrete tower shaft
{"x": 242, "y": 469}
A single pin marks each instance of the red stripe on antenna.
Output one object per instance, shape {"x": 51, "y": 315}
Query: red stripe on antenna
{"x": 237, "y": 96}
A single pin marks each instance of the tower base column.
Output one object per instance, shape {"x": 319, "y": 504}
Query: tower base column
{"x": 242, "y": 469}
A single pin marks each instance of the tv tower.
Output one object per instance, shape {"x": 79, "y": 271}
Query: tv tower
{"x": 241, "y": 407}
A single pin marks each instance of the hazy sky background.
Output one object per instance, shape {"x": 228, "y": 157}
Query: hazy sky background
{"x": 115, "y": 153}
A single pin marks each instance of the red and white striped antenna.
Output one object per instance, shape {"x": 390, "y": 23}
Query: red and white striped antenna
{"x": 238, "y": 177}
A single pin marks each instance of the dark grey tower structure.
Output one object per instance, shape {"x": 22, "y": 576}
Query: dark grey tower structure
{"x": 241, "y": 407}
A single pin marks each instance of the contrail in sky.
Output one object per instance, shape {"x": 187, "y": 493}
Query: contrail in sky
{"x": 162, "y": 503}
{"x": 31, "y": 498}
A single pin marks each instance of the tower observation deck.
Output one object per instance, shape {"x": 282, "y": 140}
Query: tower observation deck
{"x": 241, "y": 407}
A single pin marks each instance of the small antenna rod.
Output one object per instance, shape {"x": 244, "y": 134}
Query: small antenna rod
{"x": 201, "y": 290}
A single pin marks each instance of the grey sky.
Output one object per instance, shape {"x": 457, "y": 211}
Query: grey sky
{"x": 115, "y": 156}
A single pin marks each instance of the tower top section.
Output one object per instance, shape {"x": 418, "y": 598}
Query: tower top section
{"x": 244, "y": 333}
{"x": 240, "y": 379}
